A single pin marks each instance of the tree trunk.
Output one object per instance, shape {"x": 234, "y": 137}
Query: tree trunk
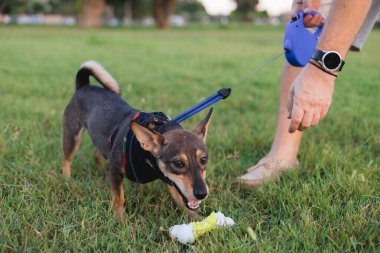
{"x": 162, "y": 12}
{"x": 2, "y": 6}
{"x": 2, "y": 9}
{"x": 128, "y": 12}
{"x": 92, "y": 13}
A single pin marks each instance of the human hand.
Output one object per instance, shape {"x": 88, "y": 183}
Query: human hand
{"x": 309, "y": 98}
{"x": 307, "y": 6}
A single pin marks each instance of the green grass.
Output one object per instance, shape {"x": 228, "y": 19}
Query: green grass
{"x": 332, "y": 203}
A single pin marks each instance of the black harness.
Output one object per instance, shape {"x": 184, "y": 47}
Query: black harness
{"x": 140, "y": 165}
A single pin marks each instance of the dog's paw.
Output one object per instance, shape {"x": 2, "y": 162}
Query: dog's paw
{"x": 119, "y": 215}
{"x": 66, "y": 169}
{"x": 66, "y": 174}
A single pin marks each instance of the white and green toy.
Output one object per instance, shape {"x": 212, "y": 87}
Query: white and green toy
{"x": 188, "y": 233}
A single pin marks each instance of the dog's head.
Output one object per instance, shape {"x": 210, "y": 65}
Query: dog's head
{"x": 181, "y": 156}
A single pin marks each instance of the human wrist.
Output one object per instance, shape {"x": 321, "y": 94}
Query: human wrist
{"x": 329, "y": 61}
{"x": 316, "y": 68}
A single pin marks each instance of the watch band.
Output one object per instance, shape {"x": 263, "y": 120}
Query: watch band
{"x": 318, "y": 56}
{"x": 321, "y": 68}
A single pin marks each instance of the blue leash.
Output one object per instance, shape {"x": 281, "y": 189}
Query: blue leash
{"x": 220, "y": 94}
{"x": 299, "y": 45}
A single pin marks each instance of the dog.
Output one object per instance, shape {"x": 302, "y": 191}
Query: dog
{"x": 138, "y": 145}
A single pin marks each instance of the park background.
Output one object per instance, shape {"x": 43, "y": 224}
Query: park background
{"x": 331, "y": 203}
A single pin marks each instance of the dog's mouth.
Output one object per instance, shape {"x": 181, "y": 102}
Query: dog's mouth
{"x": 193, "y": 204}
{"x": 190, "y": 203}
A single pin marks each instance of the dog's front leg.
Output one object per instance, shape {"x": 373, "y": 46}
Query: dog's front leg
{"x": 178, "y": 199}
{"x": 100, "y": 158}
{"x": 116, "y": 180}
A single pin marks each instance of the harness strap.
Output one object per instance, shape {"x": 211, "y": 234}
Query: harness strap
{"x": 124, "y": 152}
{"x": 140, "y": 165}
{"x": 112, "y": 137}
{"x": 130, "y": 156}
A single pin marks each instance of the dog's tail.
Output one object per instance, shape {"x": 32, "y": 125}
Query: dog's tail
{"x": 92, "y": 68}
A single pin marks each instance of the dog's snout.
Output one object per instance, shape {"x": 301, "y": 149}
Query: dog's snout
{"x": 200, "y": 193}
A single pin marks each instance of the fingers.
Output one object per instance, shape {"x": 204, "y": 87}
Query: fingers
{"x": 289, "y": 103}
{"x": 313, "y": 20}
{"x": 323, "y": 113}
{"x": 316, "y": 119}
{"x": 309, "y": 119}
{"x": 306, "y": 121}
{"x": 296, "y": 119}
{"x": 302, "y": 120}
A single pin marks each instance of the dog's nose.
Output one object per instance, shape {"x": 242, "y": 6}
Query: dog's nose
{"x": 200, "y": 193}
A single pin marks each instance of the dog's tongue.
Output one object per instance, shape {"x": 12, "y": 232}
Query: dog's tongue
{"x": 194, "y": 203}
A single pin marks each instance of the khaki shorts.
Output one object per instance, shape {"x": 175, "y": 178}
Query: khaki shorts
{"x": 369, "y": 22}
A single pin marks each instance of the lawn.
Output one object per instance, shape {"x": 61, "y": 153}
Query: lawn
{"x": 331, "y": 203}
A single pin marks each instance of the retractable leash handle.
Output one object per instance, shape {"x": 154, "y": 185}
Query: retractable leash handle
{"x": 300, "y": 43}
{"x": 220, "y": 94}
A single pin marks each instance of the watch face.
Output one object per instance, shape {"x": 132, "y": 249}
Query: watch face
{"x": 332, "y": 60}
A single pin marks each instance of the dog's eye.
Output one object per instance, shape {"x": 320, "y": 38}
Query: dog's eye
{"x": 178, "y": 164}
{"x": 204, "y": 160}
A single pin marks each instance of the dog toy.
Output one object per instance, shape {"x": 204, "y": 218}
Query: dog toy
{"x": 188, "y": 233}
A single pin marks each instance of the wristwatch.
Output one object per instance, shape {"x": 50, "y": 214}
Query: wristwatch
{"x": 330, "y": 60}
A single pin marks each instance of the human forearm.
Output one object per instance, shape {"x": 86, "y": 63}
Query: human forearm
{"x": 342, "y": 25}
{"x": 311, "y": 93}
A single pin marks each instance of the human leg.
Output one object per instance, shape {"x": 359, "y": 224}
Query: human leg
{"x": 284, "y": 150}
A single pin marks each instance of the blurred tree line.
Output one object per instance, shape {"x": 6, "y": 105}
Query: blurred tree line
{"x": 245, "y": 10}
{"x": 90, "y": 13}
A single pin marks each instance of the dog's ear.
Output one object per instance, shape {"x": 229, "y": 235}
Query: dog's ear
{"x": 201, "y": 129}
{"x": 149, "y": 140}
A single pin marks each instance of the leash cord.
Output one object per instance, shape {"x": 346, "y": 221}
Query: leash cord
{"x": 222, "y": 93}
{"x": 256, "y": 70}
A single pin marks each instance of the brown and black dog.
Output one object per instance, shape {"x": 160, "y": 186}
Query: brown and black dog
{"x": 180, "y": 156}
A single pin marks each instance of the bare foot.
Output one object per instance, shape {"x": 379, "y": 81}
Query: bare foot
{"x": 284, "y": 149}
{"x": 273, "y": 163}
{"x": 266, "y": 170}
